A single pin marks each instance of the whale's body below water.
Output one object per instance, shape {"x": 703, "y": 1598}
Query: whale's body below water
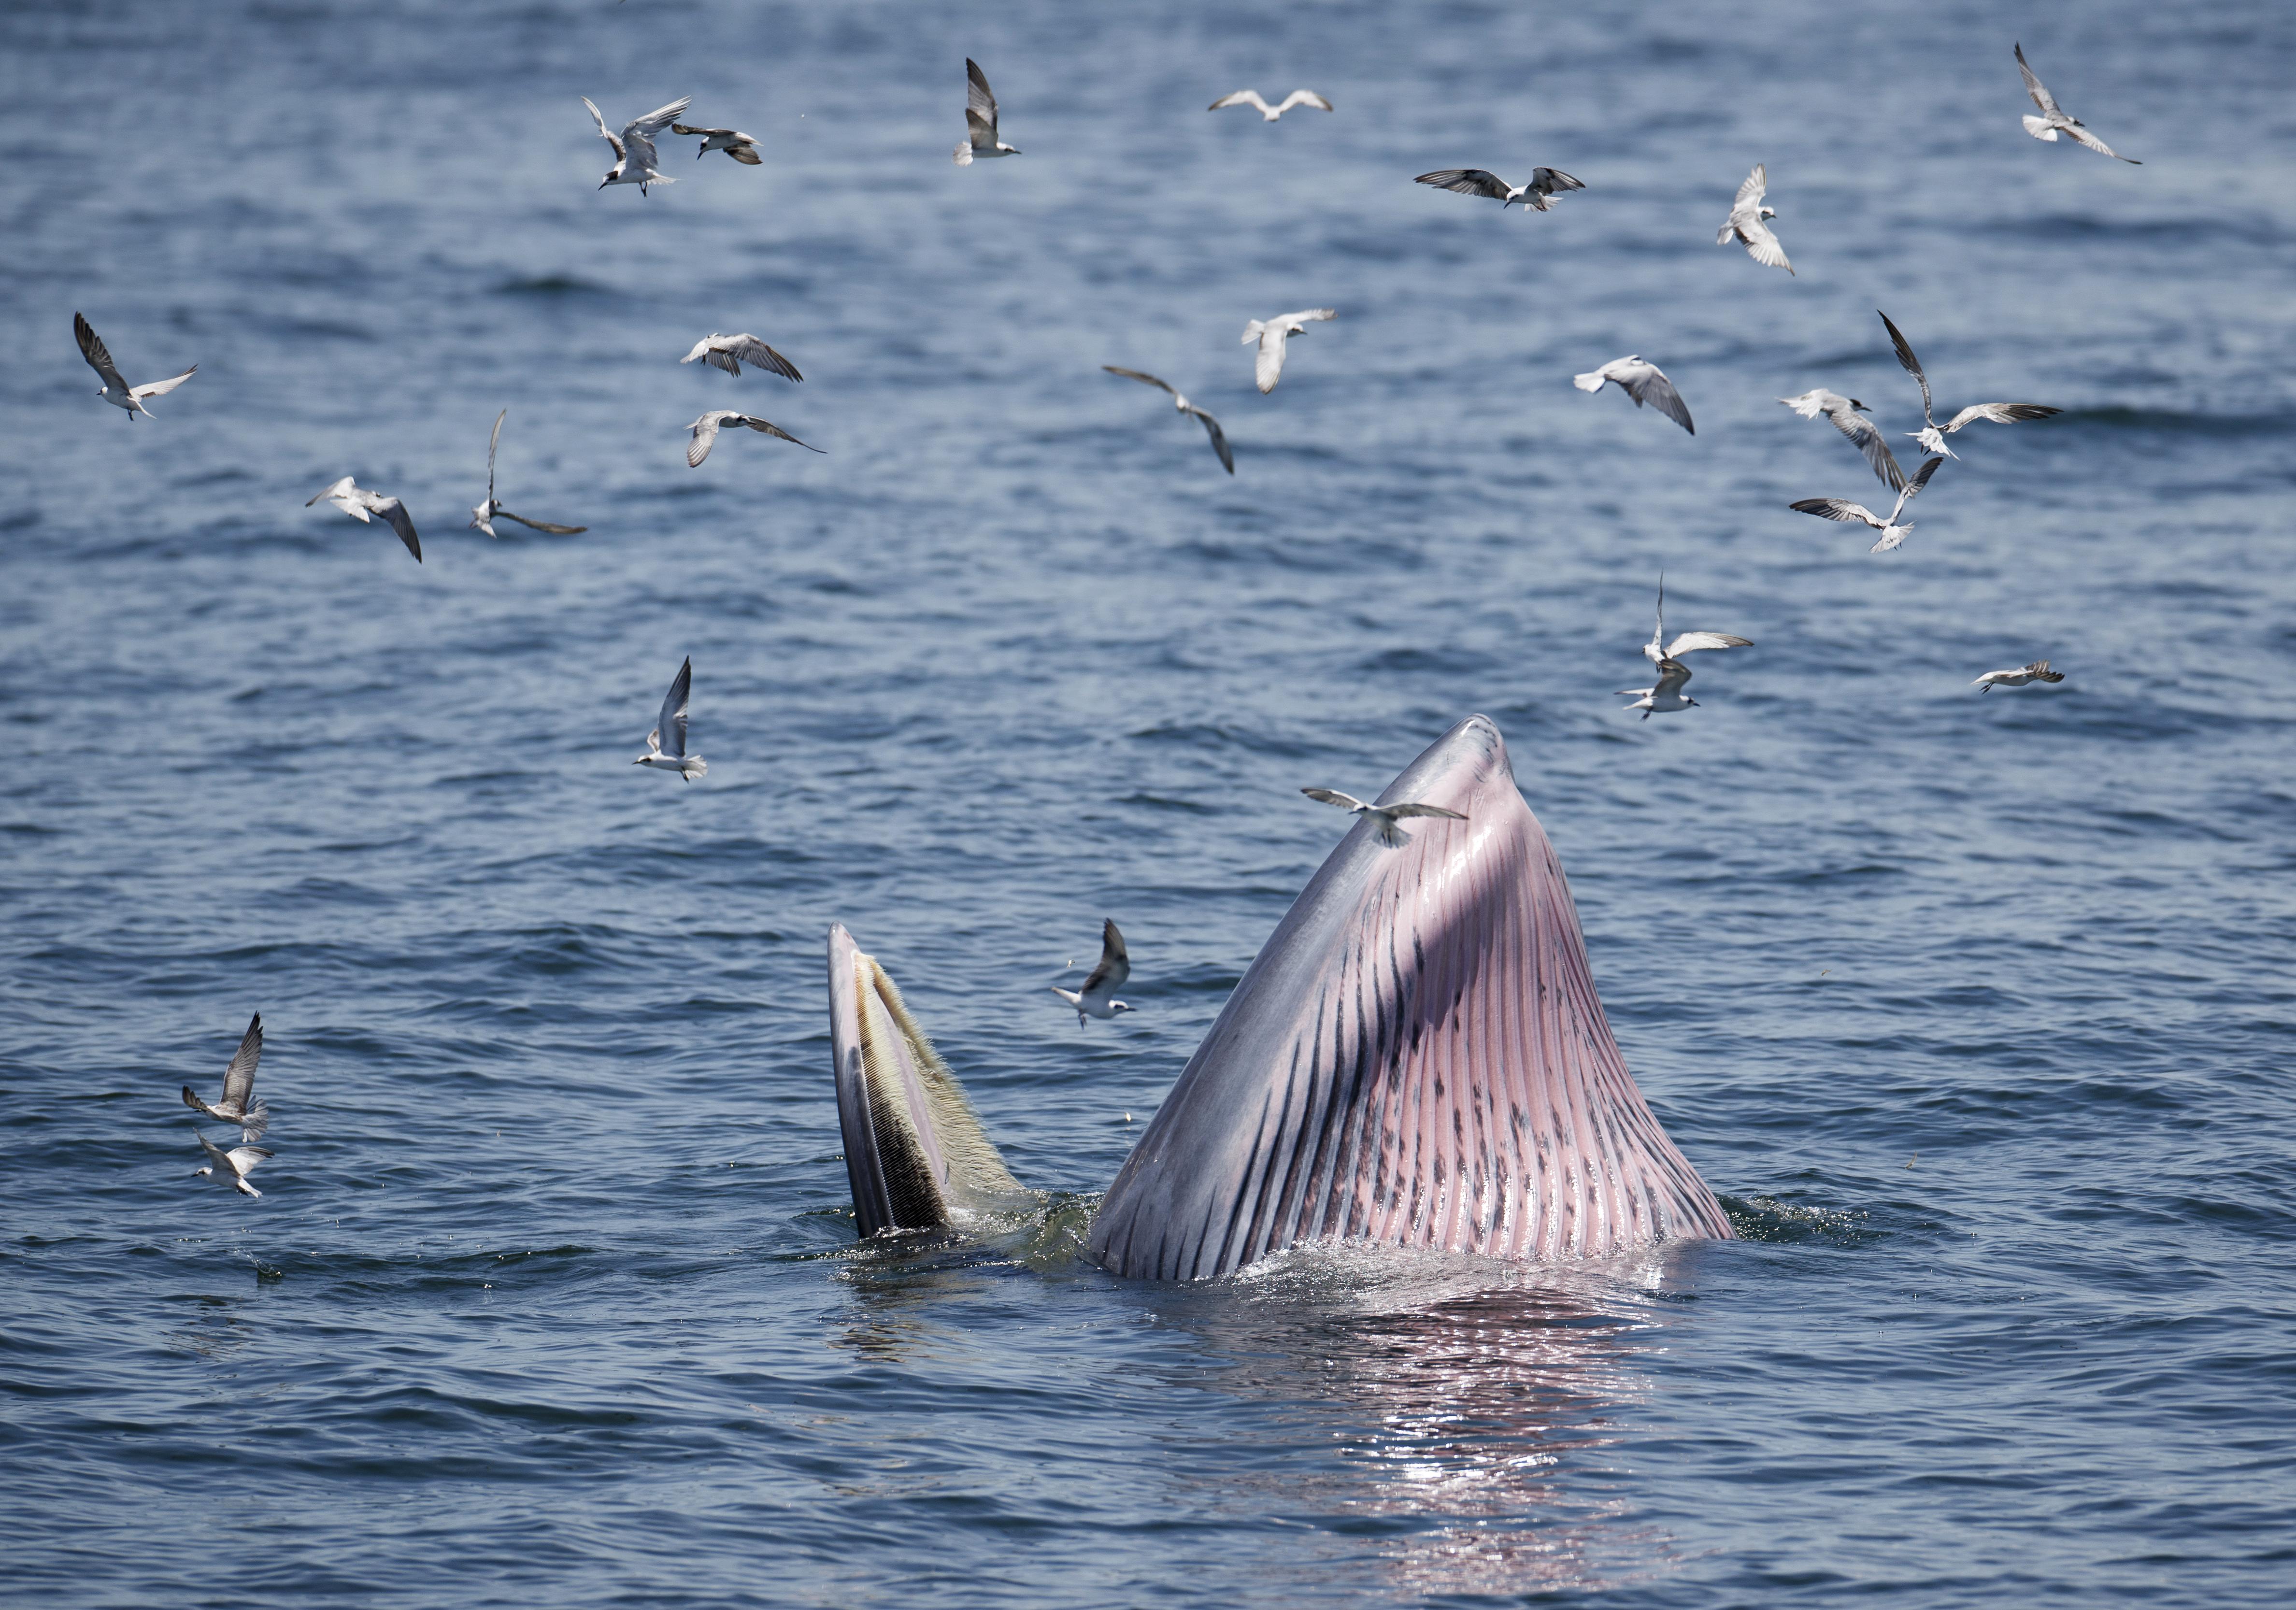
{"x": 1416, "y": 1059}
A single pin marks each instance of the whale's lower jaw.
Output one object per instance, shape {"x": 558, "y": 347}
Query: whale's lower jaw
{"x": 914, "y": 1152}
{"x": 1416, "y": 1059}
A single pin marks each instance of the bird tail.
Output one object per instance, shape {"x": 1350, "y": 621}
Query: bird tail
{"x": 2038, "y": 128}
{"x": 1588, "y": 382}
{"x": 1391, "y": 831}
{"x": 1722, "y": 235}
{"x": 1892, "y": 537}
{"x": 696, "y": 766}
{"x": 963, "y": 155}
{"x": 256, "y": 1119}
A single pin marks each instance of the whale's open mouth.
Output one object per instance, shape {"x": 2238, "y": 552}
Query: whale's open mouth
{"x": 1418, "y": 1057}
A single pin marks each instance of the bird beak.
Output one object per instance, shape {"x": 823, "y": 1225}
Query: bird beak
{"x": 606, "y": 181}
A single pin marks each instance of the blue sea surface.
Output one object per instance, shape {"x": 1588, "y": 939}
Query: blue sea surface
{"x": 1978, "y": 1010}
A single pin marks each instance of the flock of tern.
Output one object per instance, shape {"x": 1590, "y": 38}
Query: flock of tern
{"x": 638, "y": 161}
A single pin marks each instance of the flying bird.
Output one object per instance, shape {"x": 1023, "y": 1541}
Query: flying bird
{"x": 1658, "y": 651}
{"x": 980, "y": 121}
{"x": 1095, "y": 999}
{"x": 1745, "y": 222}
{"x": 484, "y": 516}
{"x": 1841, "y": 413}
{"x": 670, "y": 724}
{"x": 636, "y": 161}
{"x": 1250, "y": 97}
{"x": 743, "y": 148}
{"x": 730, "y": 352}
{"x": 1383, "y": 818}
{"x": 1892, "y": 533}
{"x": 359, "y": 502}
{"x": 1667, "y": 696}
{"x": 116, "y": 392}
{"x": 1538, "y": 195}
{"x": 704, "y": 431}
{"x": 1644, "y": 382}
{"x": 1211, "y": 426}
{"x": 1271, "y": 335}
{"x": 2038, "y": 672}
{"x": 234, "y": 1166}
{"x": 2053, "y": 119}
{"x": 1931, "y": 435}
{"x": 239, "y": 1103}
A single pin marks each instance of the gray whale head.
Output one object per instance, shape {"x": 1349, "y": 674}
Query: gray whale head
{"x": 1418, "y": 1057}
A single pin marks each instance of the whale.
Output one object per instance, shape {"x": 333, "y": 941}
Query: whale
{"x": 1416, "y": 1059}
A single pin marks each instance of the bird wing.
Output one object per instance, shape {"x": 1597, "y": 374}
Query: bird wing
{"x": 493, "y": 442}
{"x": 244, "y": 1158}
{"x": 1762, "y": 243}
{"x": 1751, "y": 193}
{"x": 1268, "y": 366}
{"x": 1220, "y": 437}
{"x": 161, "y": 388}
{"x": 1837, "y": 508}
{"x": 239, "y": 1078}
{"x": 1654, "y": 650}
{"x": 401, "y": 522}
{"x": 768, "y": 427}
{"x": 700, "y": 351}
{"x": 1241, "y": 97}
{"x": 1115, "y": 965}
{"x": 2034, "y": 87}
{"x": 215, "y": 1153}
{"x": 1671, "y": 676}
{"x": 745, "y": 151}
{"x": 338, "y": 489}
{"x": 1921, "y": 479}
{"x": 1999, "y": 414}
{"x": 1303, "y": 97}
{"x": 2079, "y": 131}
{"x": 98, "y": 355}
{"x": 655, "y": 121}
{"x": 1332, "y": 796}
{"x": 672, "y": 723}
{"x": 1913, "y": 366}
{"x": 1468, "y": 181}
{"x": 542, "y": 525}
{"x": 1650, "y": 385}
{"x": 1691, "y": 642}
{"x": 604, "y": 133}
{"x": 705, "y": 437}
{"x": 1313, "y": 316}
{"x": 1414, "y": 809}
{"x": 690, "y": 128}
{"x": 1871, "y": 442}
{"x": 2041, "y": 671}
{"x": 980, "y": 100}
{"x": 1145, "y": 380}
{"x": 1553, "y": 179}
{"x": 749, "y": 349}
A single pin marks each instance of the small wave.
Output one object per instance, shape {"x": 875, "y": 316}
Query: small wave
{"x": 553, "y": 284}
{"x": 1767, "y": 1219}
{"x": 2178, "y": 422}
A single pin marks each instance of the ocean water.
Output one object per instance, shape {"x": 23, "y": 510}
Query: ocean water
{"x": 1977, "y": 1009}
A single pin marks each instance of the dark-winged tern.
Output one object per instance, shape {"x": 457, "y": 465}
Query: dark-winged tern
{"x": 1383, "y": 818}
{"x": 1746, "y": 223}
{"x": 636, "y": 161}
{"x": 666, "y": 744}
{"x": 1667, "y": 696}
{"x": 359, "y": 502}
{"x": 743, "y": 148}
{"x": 239, "y": 1103}
{"x": 1272, "y": 334}
{"x": 1268, "y": 114}
{"x": 1645, "y": 383}
{"x": 1211, "y": 426}
{"x": 704, "y": 431}
{"x": 730, "y": 352}
{"x": 1097, "y": 998}
{"x": 2038, "y": 672}
{"x": 2053, "y": 119}
{"x": 1658, "y": 651}
{"x": 1843, "y": 509}
{"x": 980, "y": 121}
{"x": 484, "y": 516}
{"x": 1842, "y": 414}
{"x": 231, "y": 1167}
{"x": 116, "y": 392}
{"x": 1545, "y": 183}
{"x": 1932, "y": 435}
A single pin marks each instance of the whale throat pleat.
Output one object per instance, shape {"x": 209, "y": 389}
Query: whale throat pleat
{"x": 914, "y": 1150}
{"x": 1417, "y": 1058}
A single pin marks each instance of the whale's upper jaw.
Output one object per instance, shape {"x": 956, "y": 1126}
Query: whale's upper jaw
{"x": 1418, "y": 1057}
